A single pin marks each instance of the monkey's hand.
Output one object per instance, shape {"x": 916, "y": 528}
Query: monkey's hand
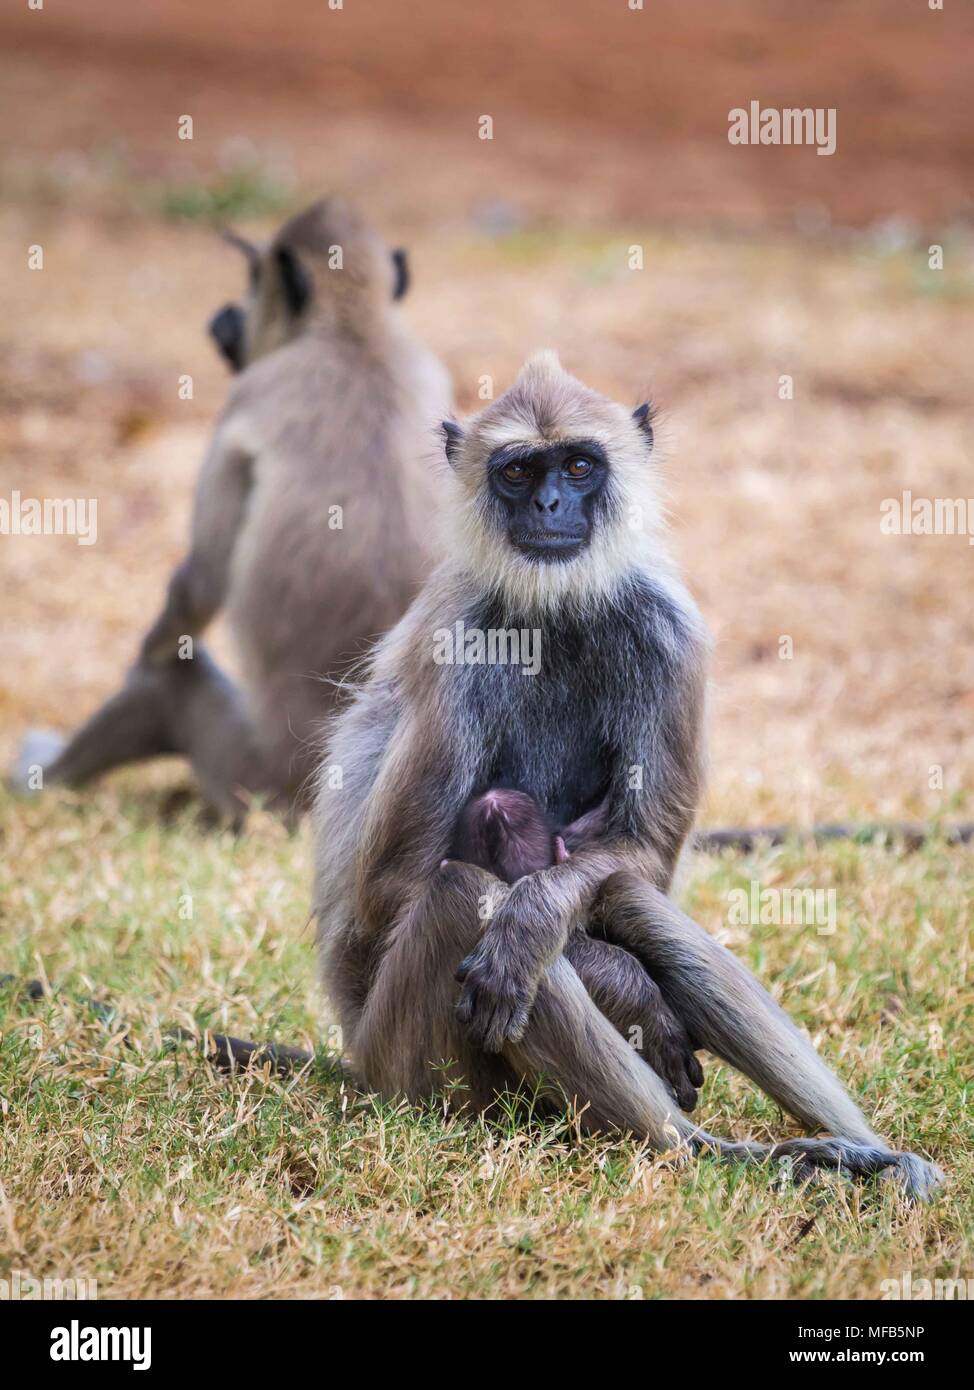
{"x": 500, "y": 977}
{"x": 496, "y": 998}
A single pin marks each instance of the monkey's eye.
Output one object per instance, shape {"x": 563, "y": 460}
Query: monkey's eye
{"x": 578, "y": 467}
{"x": 514, "y": 472}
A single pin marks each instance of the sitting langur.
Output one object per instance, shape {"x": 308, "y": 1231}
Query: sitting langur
{"x": 307, "y": 525}
{"x": 555, "y": 530}
{"x": 507, "y": 832}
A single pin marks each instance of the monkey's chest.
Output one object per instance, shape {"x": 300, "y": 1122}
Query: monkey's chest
{"x": 547, "y": 741}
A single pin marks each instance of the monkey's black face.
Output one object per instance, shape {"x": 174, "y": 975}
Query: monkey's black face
{"x": 549, "y": 498}
{"x": 226, "y": 328}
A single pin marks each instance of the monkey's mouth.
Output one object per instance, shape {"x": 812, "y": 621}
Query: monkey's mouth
{"x": 549, "y": 545}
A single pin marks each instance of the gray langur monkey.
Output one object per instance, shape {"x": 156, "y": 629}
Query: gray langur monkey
{"x": 544, "y": 486}
{"x": 309, "y": 520}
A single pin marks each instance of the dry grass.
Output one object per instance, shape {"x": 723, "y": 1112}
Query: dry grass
{"x": 134, "y": 1164}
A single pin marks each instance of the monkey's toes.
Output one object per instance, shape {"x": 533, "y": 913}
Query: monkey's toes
{"x": 679, "y": 1067}
{"x": 918, "y": 1178}
{"x": 683, "y": 1083}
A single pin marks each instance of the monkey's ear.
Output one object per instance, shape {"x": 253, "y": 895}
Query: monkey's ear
{"x": 643, "y": 416}
{"x": 245, "y": 247}
{"x": 294, "y": 278}
{"x": 452, "y": 438}
{"x": 400, "y": 265}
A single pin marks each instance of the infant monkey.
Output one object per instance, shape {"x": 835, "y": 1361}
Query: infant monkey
{"x": 508, "y": 833}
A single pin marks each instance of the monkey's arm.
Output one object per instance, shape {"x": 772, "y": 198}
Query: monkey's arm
{"x": 407, "y": 776}
{"x": 529, "y": 931}
{"x": 198, "y": 587}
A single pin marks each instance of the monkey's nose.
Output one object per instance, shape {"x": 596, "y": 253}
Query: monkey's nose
{"x": 545, "y": 506}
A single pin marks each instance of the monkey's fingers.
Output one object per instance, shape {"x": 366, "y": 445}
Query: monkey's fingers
{"x": 491, "y": 1011}
{"x": 476, "y": 1014}
{"x": 673, "y": 1061}
{"x": 489, "y": 1030}
{"x": 674, "y": 1071}
{"x": 507, "y": 1025}
{"x": 686, "y": 1096}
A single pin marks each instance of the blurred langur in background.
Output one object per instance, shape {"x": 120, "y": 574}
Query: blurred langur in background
{"x": 307, "y": 527}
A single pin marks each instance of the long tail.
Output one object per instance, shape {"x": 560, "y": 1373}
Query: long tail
{"x": 910, "y": 834}
{"x": 224, "y": 1052}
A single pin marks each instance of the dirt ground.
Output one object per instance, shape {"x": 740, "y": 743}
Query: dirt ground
{"x": 610, "y": 131}
{"x": 601, "y": 112}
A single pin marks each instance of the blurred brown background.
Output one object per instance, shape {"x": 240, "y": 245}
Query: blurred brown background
{"x": 610, "y": 129}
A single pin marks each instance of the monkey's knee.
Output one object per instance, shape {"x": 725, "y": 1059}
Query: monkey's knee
{"x": 626, "y": 893}
{"x": 464, "y": 896}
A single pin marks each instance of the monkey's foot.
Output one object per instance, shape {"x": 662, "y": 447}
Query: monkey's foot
{"x": 915, "y": 1175}
{"x": 38, "y": 750}
{"x": 918, "y": 1178}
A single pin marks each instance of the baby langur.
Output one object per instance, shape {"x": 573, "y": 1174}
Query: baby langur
{"x": 507, "y": 832}
{"x": 540, "y": 497}
{"x": 308, "y": 526}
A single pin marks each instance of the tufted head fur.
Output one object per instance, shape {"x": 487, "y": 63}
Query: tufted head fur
{"x": 546, "y": 406}
{"x": 326, "y": 267}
